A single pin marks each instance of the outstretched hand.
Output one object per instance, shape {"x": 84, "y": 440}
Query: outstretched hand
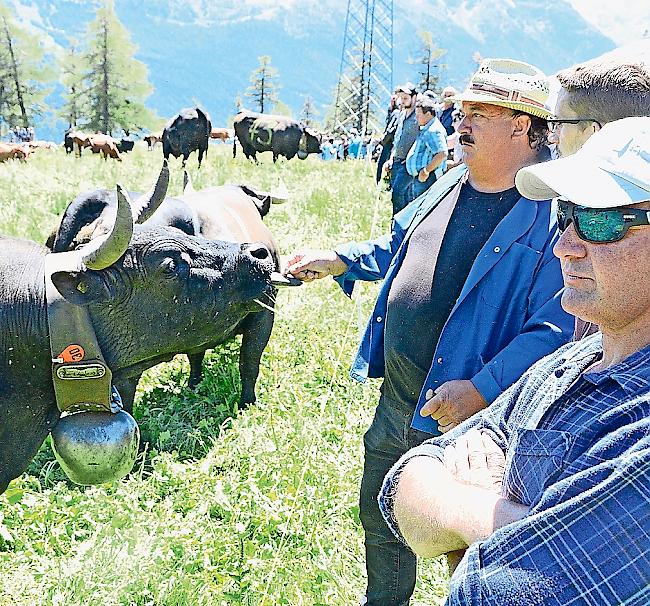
{"x": 309, "y": 265}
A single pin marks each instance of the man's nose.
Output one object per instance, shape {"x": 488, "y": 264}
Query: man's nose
{"x": 569, "y": 245}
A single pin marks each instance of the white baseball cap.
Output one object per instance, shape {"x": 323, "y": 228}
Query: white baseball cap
{"x": 611, "y": 169}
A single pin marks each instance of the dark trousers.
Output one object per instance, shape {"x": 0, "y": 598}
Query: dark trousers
{"x": 383, "y": 156}
{"x": 391, "y": 567}
{"x": 400, "y": 181}
{"x": 417, "y": 187}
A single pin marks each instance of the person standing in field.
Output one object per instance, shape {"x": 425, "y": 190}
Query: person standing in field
{"x": 446, "y": 113}
{"x": 427, "y": 158}
{"x": 469, "y": 300}
{"x": 547, "y": 490}
{"x": 405, "y": 135}
{"x": 593, "y": 94}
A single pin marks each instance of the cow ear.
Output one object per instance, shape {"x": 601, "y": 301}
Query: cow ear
{"x": 81, "y": 287}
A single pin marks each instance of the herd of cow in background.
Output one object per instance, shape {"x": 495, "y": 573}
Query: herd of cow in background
{"x": 187, "y": 132}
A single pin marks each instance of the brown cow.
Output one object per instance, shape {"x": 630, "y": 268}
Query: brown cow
{"x": 13, "y": 151}
{"x": 223, "y": 134}
{"x": 152, "y": 139}
{"x": 104, "y": 144}
{"x": 33, "y": 145}
{"x": 79, "y": 140}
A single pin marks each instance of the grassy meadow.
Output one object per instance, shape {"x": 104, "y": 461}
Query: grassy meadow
{"x": 254, "y": 507}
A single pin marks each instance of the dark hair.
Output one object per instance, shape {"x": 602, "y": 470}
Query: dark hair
{"x": 538, "y": 131}
{"x": 426, "y": 103}
{"x": 608, "y": 90}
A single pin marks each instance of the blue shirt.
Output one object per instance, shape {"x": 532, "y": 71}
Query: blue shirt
{"x": 328, "y": 151}
{"x": 578, "y": 454}
{"x": 431, "y": 141}
{"x": 508, "y": 314}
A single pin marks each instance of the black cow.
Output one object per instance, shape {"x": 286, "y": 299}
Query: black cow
{"x": 129, "y": 281}
{"x": 227, "y": 212}
{"x": 125, "y": 145}
{"x": 68, "y": 141}
{"x": 278, "y": 134}
{"x": 186, "y": 132}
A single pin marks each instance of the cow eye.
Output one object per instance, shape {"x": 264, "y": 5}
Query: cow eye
{"x": 169, "y": 266}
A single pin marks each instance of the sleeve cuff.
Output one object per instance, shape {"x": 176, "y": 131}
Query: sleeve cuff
{"x": 486, "y": 385}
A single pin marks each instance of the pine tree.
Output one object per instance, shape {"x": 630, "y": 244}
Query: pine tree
{"x": 264, "y": 87}
{"x": 116, "y": 84}
{"x": 308, "y": 111}
{"x": 429, "y": 68}
{"x": 72, "y": 78}
{"x": 24, "y": 72}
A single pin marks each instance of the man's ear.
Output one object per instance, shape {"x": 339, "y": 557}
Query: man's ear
{"x": 81, "y": 287}
{"x": 521, "y": 126}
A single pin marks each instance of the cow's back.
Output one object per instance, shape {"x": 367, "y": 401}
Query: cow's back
{"x": 227, "y": 213}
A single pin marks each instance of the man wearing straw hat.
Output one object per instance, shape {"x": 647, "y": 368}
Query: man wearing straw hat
{"x": 469, "y": 298}
{"x": 548, "y": 487}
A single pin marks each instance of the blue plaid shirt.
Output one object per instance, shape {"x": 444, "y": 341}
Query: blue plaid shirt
{"x": 431, "y": 140}
{"x": 578, "y": 454}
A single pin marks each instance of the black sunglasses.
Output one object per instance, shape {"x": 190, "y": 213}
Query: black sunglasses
{"x": 599, "y": 225}
{"x": 553, "y": 123}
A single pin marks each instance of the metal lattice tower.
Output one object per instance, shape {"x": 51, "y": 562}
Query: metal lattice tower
{"x": 366, "y": 74}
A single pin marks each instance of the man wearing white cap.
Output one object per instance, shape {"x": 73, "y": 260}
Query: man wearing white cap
{"x": 548, "y": 488}
{"x": 469, "y": 300}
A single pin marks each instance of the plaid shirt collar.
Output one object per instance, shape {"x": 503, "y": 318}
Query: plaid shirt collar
{"x": 632, "y": 374}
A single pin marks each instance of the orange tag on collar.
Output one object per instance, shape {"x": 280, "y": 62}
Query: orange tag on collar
{"x": 72, "y": 353}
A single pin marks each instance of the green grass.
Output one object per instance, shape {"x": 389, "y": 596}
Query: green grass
{"x": 253, "y": 507}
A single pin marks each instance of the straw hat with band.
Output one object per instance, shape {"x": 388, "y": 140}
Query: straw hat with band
{"x": 508, "y": 83}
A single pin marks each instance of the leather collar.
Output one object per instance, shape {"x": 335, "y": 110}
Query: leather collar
{"x": 81, "y": 378}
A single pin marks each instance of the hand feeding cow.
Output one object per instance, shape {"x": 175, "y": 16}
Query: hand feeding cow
{"x": 128, "y": 279}
{"x": 280, "y": 135}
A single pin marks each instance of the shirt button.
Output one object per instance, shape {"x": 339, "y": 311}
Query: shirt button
{"x": 439, "y": 360}
{"x": 497, "y": 249}
{"x": 379, "y": 318}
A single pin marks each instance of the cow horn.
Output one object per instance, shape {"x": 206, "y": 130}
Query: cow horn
{"x": 188, "y": 188}
{"x": 103, "y": 251}
{"x": 147, "y": 204}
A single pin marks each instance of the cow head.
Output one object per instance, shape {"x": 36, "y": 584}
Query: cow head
{"x": 152, "y": 292}
{"x": 309, "y": 143}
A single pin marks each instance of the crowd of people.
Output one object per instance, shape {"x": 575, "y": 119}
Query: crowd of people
{"x": 512, "y": 334}
{"x": 21, "y": 134}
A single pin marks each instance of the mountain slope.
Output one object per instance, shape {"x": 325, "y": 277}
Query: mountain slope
{"x": 203, "y": 52}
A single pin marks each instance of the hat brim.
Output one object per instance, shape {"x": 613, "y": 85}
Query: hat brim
{"x": 580, "y": 181}
{"x": 473, "y": 97}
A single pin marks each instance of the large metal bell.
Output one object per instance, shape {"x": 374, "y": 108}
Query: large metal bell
{"x": 96, "y": 447}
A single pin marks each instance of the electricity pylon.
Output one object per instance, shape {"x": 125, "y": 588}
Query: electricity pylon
{"x": 366, "y": 74}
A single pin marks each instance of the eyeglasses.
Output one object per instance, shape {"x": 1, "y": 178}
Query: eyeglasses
{"x": 554, "y": 123}
{"x": 599, "y": 225}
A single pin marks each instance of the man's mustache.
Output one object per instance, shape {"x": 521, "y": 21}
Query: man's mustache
{"x": 466, "y": 139}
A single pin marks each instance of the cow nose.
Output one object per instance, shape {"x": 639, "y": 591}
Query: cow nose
{"x": 258, "y": 251}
